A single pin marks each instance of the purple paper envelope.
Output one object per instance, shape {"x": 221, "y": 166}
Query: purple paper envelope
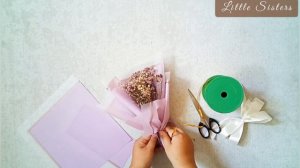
{"x": 77, "y": 133}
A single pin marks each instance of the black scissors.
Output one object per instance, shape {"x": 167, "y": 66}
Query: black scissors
{"x": 206, "y": 124}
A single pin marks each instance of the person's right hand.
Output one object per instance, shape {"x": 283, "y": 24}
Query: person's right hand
{"x": 179, "y": 147}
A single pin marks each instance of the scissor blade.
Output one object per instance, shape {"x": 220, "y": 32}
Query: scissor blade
{"x": 196, "y": 104}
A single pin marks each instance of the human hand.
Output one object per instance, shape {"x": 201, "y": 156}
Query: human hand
{"x": 143, "y": 151}
{"x": 179, "y": 147}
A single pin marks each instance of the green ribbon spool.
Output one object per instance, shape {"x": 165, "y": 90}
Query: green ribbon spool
{"x": 223, "y": 94}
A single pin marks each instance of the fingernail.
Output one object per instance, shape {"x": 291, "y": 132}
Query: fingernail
{"x": 162, "y": 141}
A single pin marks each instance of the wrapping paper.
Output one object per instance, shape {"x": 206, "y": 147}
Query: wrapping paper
{"x": 150, "y": 117}
{"x": 76, "y": 132}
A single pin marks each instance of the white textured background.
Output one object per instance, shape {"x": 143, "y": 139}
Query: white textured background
{"x": 43, "y": 42}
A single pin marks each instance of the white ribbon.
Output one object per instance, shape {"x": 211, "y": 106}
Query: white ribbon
{"x": 232, "y": 128}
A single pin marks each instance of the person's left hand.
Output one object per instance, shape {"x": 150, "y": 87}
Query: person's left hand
{"x": 143, "y": 151}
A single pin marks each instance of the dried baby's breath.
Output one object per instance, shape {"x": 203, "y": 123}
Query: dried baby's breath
{"x": 141, "y": 85}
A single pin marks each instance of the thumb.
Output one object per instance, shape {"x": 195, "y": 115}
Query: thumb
{"x": 166, "y": 140}
{"x": 143, "y": 141}
{"x": 152, "y": 141}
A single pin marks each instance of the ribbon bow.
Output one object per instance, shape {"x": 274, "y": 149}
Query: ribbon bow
{"x": 232, "y": 128}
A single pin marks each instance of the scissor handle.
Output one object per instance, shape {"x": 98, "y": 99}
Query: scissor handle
{"x": 212, "y": 125}
{"x": 203, "y": 130}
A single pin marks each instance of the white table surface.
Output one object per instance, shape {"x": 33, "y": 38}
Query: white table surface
{"x": 44, "y": 42}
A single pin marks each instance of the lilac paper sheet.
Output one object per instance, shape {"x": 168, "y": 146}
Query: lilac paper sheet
{"x": 77, "y": 133}
{"x": 150, "y": 117}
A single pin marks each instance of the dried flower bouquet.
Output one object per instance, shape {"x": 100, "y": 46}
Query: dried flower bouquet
{"x": 142, "y": 99}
